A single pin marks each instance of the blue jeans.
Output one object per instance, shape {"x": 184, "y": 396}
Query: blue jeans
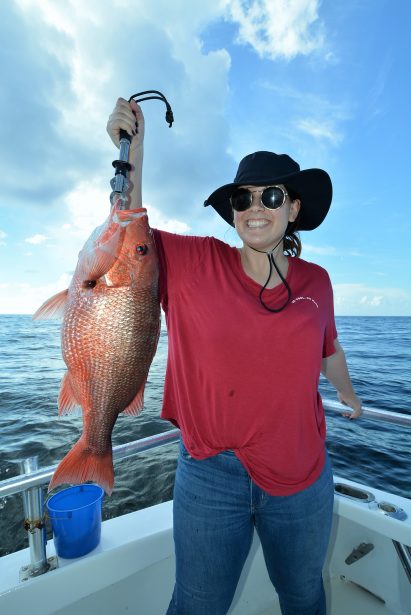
{"x": 216, "y": 507}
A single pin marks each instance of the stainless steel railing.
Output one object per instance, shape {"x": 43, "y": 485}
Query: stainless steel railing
{"x": 17, "y": 484}
{"x": 31, "y": 481}
{"x": 30, "y": 485}
{"x": 398, "y": 418}
{"x": 37, "y": 478}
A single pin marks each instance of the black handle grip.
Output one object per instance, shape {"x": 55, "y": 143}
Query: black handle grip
{"x": 124, "y": 135}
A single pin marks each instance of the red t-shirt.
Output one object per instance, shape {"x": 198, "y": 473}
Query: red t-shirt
{"x": 239, "y": 377}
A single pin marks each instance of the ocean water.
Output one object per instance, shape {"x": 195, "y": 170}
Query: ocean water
{"x": 378, "y": 351}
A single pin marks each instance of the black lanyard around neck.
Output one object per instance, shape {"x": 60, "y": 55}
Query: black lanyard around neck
{"x": 271, "y": 260}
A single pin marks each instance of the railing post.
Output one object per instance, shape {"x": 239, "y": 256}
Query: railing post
{"x": 34, "y": 523}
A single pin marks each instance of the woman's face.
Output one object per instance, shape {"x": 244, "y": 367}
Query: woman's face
{"x": 260, "y": 227}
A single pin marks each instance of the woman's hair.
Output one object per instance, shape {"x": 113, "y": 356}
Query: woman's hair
{"x": 292, "y": 241}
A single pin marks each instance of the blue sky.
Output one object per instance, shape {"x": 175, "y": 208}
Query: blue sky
{"x": 326, "y": 82}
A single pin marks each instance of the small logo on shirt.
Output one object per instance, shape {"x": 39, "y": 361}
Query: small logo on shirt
{"x": 305, "y": 299}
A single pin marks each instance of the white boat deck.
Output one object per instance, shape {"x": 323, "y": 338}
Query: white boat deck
{"x": 132, "y": 570}
{"x": 344, "y": 598}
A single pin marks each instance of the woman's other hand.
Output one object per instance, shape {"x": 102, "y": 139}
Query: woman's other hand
{"x": 354, "y": 402}
{"x": 129, "y": 117}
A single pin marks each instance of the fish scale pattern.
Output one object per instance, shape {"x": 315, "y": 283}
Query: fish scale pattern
{"x": 108, "y": 347}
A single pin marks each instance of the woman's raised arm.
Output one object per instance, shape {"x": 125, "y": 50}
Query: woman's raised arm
{"x": 129, "y": 117}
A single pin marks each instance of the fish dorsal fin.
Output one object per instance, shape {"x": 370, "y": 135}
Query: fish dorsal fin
{"x": 136, "y": 406}
{"x": 53, "y": 307}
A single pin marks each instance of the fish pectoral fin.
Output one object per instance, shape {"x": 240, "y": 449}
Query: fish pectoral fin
{"x": 67, "y": 401}
{"x": 136, "y": 406}
{"x": 81, "y": 465}
{"x": 53, "y": 307}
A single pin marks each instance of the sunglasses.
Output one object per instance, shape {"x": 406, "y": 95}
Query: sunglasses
{"x": 272, "y": 197}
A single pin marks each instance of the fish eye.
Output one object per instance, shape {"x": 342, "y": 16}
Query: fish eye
{"x": 89, "y": 283}
{"x": 141, "y": 249}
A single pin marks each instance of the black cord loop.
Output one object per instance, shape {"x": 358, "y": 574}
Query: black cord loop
{"x": 159, "y": 96}
{"x": 271, "y": 260}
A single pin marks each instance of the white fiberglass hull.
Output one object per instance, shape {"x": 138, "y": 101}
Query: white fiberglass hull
{"x": 132, "y": 570}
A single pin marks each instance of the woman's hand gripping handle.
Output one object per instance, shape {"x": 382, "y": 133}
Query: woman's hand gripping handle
{"x": 128, "y": 117}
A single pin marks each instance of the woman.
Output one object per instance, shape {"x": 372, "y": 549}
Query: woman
{"x": 249, "y": 331}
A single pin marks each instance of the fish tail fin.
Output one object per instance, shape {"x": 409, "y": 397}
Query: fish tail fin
{"x": 81, "y": 465}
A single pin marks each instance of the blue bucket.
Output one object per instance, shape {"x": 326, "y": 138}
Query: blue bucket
{"x": 75, "y": 515}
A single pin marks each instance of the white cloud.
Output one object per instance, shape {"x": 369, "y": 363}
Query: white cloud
{"x": 87, "y": 207}
{"x": 160, "y": 221}
{"x": 3, "y": 236}
{"x": 278, "y": 29}
{"x": 373, "y": 301}
{"x": 77, "y": 63}
{"x": 329, "y": 251}
{"x": 24, "y": 298}
{"x": 360, "y": 299}
{"x": 163, "y": 51}
{"x": 331, "y": 57}
{"x": 36, "y": 239}
{"x": 80, "y": 41}
{"x": 320, "y": 129}
{"x": 310, "y": 115}
{"x": 323, "y": 250}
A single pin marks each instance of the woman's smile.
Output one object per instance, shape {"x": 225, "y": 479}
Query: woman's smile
{"x": 256, "y": 223}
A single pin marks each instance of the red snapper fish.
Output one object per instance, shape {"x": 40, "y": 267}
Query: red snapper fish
{"x": 110, "y": 330}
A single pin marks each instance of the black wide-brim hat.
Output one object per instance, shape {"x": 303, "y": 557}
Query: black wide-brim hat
{"x": 267, "y": 169}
